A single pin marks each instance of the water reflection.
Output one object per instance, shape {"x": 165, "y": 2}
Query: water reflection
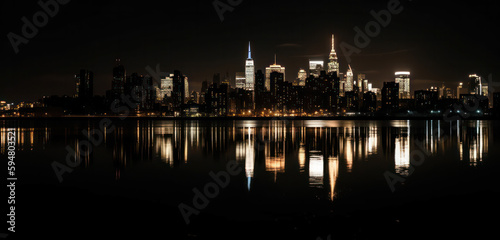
{"x": 316, "y": 169}
{"x": 402, "y": 150}
{"x": 473, "y": 142}
{"x": 27, "y": 138}
{"x": 317, "y": 151}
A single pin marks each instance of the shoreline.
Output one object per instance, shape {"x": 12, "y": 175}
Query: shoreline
{"x": 366, "y": 118}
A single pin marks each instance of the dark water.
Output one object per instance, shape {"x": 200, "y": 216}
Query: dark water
{"x": 291, "y": 179}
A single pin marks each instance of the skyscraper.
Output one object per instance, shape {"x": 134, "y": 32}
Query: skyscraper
{"x": 369, "y": 102}
{"x": 475, "y": 84}
{"x": 365, "y": 85}
{"x": 166, "y": 86}
{"x": 315, "y": 67}
{"x": 361, "y": 78}
{"x": 178, "y": 90}
{"x": 349, "y": 83}
{"x": 262, "y": 96}
{"x": 241, "y": 79}
{"x": 484, "y": 89}
{"x": 273, "y": 68}
{"x": 461, "y": 90}
{"x": 390, "y": 96}
{"x": 187, "y": 94}
{"x": 403, "y": 78}
{"x": 333, "y": 65}
{"x": 302, "y": 76}
{"x": 260, "y": 82}
{"x": 84, "y": 84}
{"x": 249, "y": 71}
{"x": 277, "y": 90}
{"x": 118, "y": 83}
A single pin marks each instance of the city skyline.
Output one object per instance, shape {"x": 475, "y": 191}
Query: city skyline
{"x": 322, "y": 91}
{"x": 397, "y": 43}
{"x": 246, "y": 79}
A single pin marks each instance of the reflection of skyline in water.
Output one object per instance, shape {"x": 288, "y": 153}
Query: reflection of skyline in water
{"x": 473, "y": 142}
{"x": 402, "y": 150}
{"x": 320, "y": 151}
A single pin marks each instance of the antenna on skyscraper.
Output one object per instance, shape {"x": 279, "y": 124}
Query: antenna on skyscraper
{"x": 249, "y": 51}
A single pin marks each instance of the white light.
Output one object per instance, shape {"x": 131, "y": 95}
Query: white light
{"x": 402, "y": 73}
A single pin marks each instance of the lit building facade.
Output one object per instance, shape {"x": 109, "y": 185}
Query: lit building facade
{"x": 333, "y": 64}
{"x": 349, "y": 83}
{"x": 249, "y": 71}
{"x": 302, "y": 76}
{"x": 403, "y": 78}
{"x": 187, "y": 94}
{"x": 273, "y": 68}
{"x": 361, "y": 78}
{"x": 315, "y": 67}
{"x": 166, "y": 86}
{"x": 240, "y": 80}
{"x": 475, "y": 84}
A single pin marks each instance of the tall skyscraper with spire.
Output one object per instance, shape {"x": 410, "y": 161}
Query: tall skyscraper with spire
{"x": 333, "y": 64}
{"x": 349, "y": 83}
{"x": 273, "y": 68}
{"x": 249, "y": 71}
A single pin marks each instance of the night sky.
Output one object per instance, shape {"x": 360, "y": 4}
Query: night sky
{"x": 437, "y": 43}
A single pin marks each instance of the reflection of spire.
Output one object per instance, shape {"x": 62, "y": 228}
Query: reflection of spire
{"x": 333, "y": 170}
{"x": 249, "y": 158}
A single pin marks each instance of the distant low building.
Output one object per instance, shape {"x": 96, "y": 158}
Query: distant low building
{"x": 426, "y": 100}
{"x": 474, "y": 103}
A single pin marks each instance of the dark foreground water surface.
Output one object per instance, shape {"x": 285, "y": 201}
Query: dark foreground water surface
{"x": 308, "y": 179}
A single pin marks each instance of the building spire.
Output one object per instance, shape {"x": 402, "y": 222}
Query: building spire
{"x": 333, "y": 54}
{"x": 275, "y": 59}
{"x": 249, "y": 51}
{"x": 333, "y": 41}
